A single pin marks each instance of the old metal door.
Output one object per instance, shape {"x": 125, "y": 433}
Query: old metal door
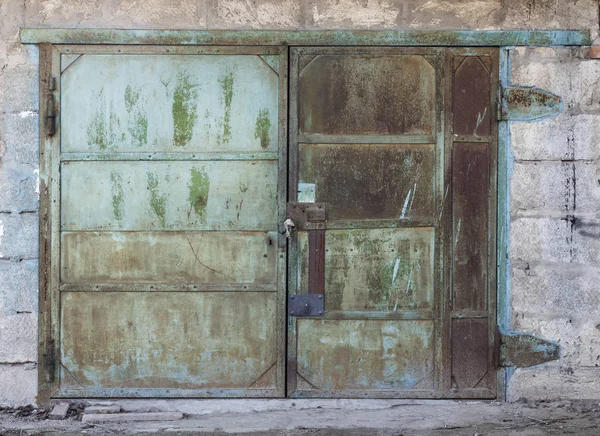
{"x": 172, "y": 186}
{"x": 397, "y": 146}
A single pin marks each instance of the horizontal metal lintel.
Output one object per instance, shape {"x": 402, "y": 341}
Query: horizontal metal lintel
{"x": 158, "y": 156}
{"x": 471, "y": 38}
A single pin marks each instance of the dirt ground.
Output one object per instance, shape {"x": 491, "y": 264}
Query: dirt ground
{"x": 398, "y": 419}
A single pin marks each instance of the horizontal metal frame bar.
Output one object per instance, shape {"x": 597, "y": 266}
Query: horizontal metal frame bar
{"x": 482, "y": 394}
{"x": 165, "y": 393}
{"x": 167, "y": 287}
{"x": 446, "y": 38}
{"x": 316, "y": 138}
{"x": 360, "y": 315}
{"x": 170, "y": 156}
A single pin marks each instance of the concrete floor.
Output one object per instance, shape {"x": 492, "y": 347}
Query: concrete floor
{"x": 332, "y": 418}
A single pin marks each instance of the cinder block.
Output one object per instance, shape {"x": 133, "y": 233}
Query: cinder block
{"x": 554, "y": 382}
{"x": 19, "y": 188}
{"x": 18, "y": 335}
{"x": 19, "y": 238}
{"x": 542, "y": 239}
{"x": 20, "y": 89}
{"x": 542, "y": 188}
{"x": 18, "y": 384}
{"x": 20, "y": 134}
{"x": 59, "y": 411}
{"x": 587, "y": 177}
{"x": 565, "y": 136}
{"x": 551, "y": 289}
{"x": 574, "y": 79}
{"x": 18, "y": 287}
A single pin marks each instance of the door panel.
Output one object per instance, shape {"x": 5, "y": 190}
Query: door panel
{"x": 395, "y": 144}
{"x": 180, "y": 195}
{"x": 174, "y": 257}
{"x": 357, "y": 180}
{"x": 172, "y": 189}
{"x": 204, "y": 103}
{"x": 375, "y": 269}
{"x": 356, "y": 355}
{"x": 336, "y": 90}
{"x": 127, "y": 341}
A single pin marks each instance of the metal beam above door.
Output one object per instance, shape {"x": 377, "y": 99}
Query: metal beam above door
{"x": 447, "y": 38}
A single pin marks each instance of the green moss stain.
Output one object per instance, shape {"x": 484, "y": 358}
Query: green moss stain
{"x": 96, "y": 132}
{"x": 184, "y": 110}
{"x": 157, "y": 200}
{"x": 103, "y": 133}
{"x": 116, "y": 182}
{"x": 226, "y": 83}
{"x": 199, "y": 187}
{"x": 132, "y": 96}
{"x": 138, "y": 122}
{"x": 261, "y": 130}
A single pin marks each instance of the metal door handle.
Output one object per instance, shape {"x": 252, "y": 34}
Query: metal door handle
{"x": 289, "y": 226}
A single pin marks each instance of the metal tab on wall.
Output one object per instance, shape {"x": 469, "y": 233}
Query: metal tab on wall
{"x": 527, "y": 104}
{"x": 524, "y": 350}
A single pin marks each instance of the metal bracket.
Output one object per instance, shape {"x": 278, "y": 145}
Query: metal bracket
{"x": 306, "y": 305}
{"x": 527, "y": 103}
{"x": 307, "y": 216}
{"x": 51, "y": 107}
{"x": 524, "y": 350}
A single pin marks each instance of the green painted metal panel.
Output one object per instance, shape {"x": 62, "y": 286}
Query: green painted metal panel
{"x": 472, "y": 38}
{"x": 211, "y": 195}
{"x": 199, "y": 258}
{"x": 176, "y": 103}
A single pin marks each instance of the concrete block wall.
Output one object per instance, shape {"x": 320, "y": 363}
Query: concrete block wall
{"x": 555, "y": 225}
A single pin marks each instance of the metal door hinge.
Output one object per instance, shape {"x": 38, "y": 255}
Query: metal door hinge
{"x": 524, "y": 350}
{"x": 51, "y": 107}
{"x": 306, "y": 305}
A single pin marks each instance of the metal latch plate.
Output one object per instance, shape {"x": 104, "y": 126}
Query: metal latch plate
{"x": 306, "y": 305}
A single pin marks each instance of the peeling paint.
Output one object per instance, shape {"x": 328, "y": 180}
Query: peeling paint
{"x": 226, "y": 83}
{"x": 157, "y": 200}
{"x": 184, "y": 110}
{"x": 138, "y": 126}
{"x": 116, "y": 181}
{"x": 263, "y": 125}
{"x": 199, "y": 188}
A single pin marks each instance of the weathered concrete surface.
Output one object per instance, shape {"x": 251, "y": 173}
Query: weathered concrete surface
{"x": 392, "y": 418}
{"x": 556, "y": 226}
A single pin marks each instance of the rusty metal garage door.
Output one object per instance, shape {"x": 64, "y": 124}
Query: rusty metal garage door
{"x": 392, "y": 190}
{"x": 172, "y": 187}
{"x": 166, "y": 188}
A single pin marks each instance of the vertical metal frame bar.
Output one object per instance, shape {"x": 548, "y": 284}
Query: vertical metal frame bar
{"x": 293, "y": 273}
{"x": 282, "y": 185}
{"x": 505, "y": 162}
